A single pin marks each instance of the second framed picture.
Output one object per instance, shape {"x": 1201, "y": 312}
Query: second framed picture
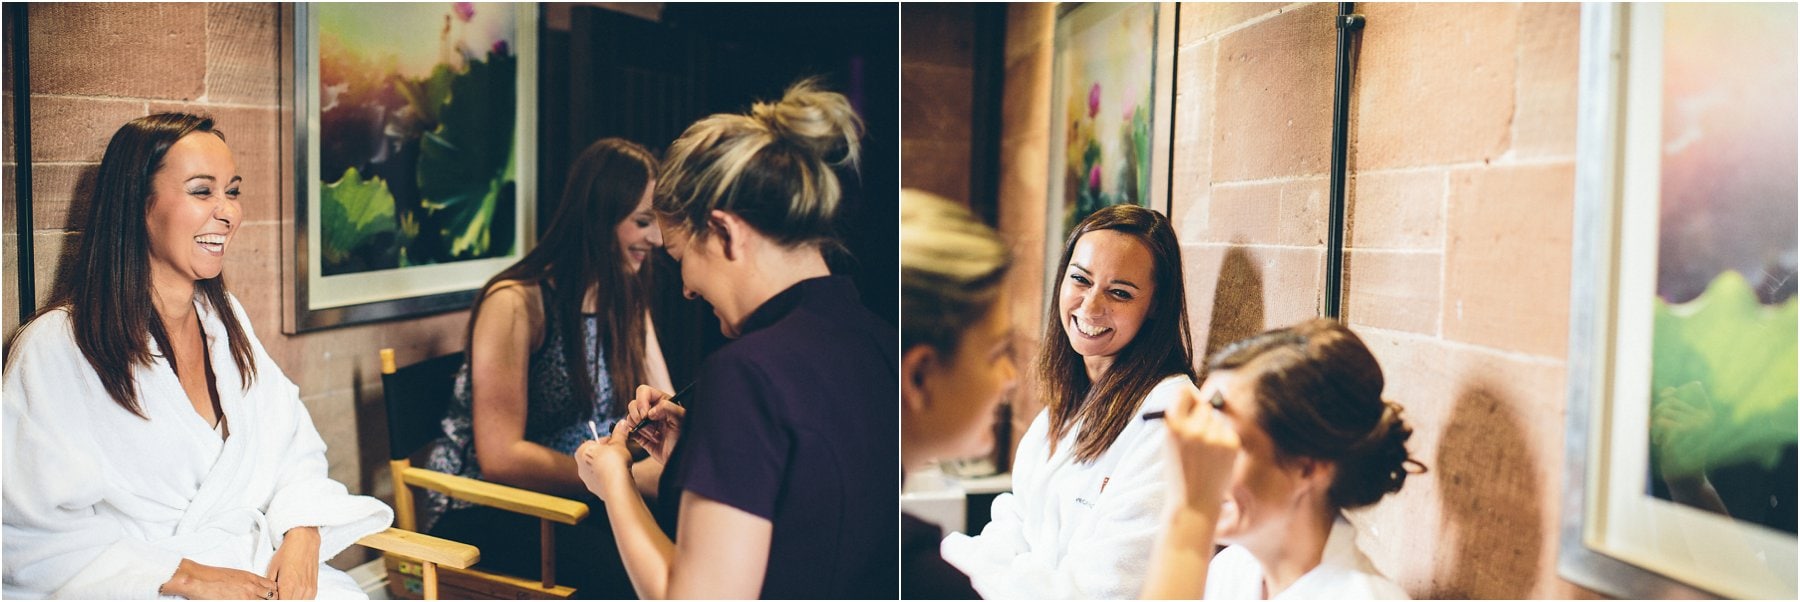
{"x": 414, "y": 139}
{"x": 1111, "y": 103}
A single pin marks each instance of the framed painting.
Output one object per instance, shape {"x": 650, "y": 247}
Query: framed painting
{"x": 414, "y": 141}
{"x": 1111, "y": 101}
{"x": 1681, "y": 426}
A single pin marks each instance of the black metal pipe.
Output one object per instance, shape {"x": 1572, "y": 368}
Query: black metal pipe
{"x": 21, "y": 119}
{"x": 1347, "y": 26}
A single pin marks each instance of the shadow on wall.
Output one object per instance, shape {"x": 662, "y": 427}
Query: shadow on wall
{"x": 1493, "y": 505}
{"x": 81, "y": 201}
{"x": 1237, "y": 311}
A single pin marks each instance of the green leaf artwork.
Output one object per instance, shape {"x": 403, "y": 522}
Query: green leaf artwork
{"x": 465, "y": 164}
{"x": 357, "y": 221}
{"x": 1723, "y": 380}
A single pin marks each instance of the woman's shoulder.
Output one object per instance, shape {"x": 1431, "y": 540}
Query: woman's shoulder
{"x": 521, "y": 299}
{"x": 1166, "y": 391}
{"x": 52, "y": 329}
{"x": 519, "y": 290}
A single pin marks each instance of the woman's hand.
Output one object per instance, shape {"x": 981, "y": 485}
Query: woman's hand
{"x": 1205, "y": 447}
{"x": 664, "y": 428}
{"x": 605, "y": 464}
{"x": 295, "y": 567}
{"x": 196, "y": 581}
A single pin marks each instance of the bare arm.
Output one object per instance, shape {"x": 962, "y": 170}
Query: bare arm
{"x": 509, "y": 328}
{"x": 1203, "y": 450}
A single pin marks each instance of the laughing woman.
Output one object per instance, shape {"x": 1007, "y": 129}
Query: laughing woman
{"x": 1088, "y": 482}
{"x": 152, "y": 447}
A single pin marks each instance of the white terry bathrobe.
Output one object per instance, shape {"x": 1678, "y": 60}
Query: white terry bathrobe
{"x": 1073, "y": 530}
{"x": 99, "y": 503}
{"x": 1344, "y": 573}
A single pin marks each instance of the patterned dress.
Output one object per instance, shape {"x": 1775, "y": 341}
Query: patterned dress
{"x": 555, "y": 417}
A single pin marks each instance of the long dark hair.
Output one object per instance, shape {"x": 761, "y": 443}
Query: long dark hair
{"x": 581, "y": 251}
{"x": 1318, "y": 395}
{"x": 110, "y": 292}
{"x": 1162, "y": 347}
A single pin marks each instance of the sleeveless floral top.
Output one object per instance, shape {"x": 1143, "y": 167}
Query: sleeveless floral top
{"x": 555, "y": 417}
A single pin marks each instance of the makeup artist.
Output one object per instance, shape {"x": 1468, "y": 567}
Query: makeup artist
{"x": 1089, "y": 475}
{"x": 781, "y": 456}
{"x": 555, "y": 341}
{"x": 956, "y": 363}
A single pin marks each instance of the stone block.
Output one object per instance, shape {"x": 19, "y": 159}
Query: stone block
{"x": 1395, "y": 290}
{"x": 149, "y": 50}
{"x": 1191, "y": 168}
{"x": 941, "y": 168}
{"x": 1274, "y": 97}
{"x": 1288, "y": 213}
{"x": 937, "y": 103}
{"x": 1201, "y": 21}
{"x": 1395, "y": 210}
{"x": 61, "y": 195}
{"x": 1507, "y": 258}
{"x": 243, "y": 44}
{"x": 6, "y": 125}
{"x": 1030, "y": 27}
{"x": 68, "y": 129}
{"x": 334, "y": 415}
{"x": 941, "y": 34}
{"x": 1025, "y": 105}
{"x": 1434, "y": 84}
{"x": 1549, "y": 80}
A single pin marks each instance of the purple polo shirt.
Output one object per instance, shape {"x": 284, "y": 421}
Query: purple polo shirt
{"x": 796, "y": 421}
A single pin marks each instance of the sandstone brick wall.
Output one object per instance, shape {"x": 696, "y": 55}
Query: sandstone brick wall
{"x": 937, "y": 96}
{"x": 1460, "y": 201}
{"x": 96, "y": 66}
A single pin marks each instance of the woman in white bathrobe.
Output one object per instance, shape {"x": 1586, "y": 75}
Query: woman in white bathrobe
{"x": 151, "y": 446}
{"x": 1288, "y": 430}
{"x": 1088, "y": 479}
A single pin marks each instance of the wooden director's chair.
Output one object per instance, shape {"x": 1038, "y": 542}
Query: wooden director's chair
{"x": 416, "y": 398}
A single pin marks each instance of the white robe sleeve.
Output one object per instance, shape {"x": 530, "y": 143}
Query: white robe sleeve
{"x": 305, "y": 495}
{"x": 1108, "y": 550}
{"x": 1003, "y": 538}
{"x": 56, "y": 542}
{"x": 1110, "y": 557}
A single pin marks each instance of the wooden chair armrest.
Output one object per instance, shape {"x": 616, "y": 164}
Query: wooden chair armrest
{"x": 511, "y": 499}
{"x": 419, "y": 546}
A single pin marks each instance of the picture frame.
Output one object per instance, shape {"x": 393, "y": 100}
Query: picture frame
{"x": 407, "y": 197}
{"x": 1617, "y": 536}
{"x": 1111, "y": 111}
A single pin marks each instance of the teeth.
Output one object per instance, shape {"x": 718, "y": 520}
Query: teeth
{"x": 210, "y": 239}
{"x": 1085, "y": 329}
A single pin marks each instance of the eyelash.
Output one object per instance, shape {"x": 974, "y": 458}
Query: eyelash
{"x": 201, "y": 192}
{"x": 1117, "y": 294}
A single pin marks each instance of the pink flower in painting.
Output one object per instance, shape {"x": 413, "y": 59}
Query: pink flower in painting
{"x": 1094, "y": 180}
{"x": 1094, "y": 100}
{"x": 1132, "y": 110}
{"x": 463, "y": 10}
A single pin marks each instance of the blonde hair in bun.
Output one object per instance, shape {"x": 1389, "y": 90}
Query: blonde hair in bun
{"x": 773, "y": 167}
